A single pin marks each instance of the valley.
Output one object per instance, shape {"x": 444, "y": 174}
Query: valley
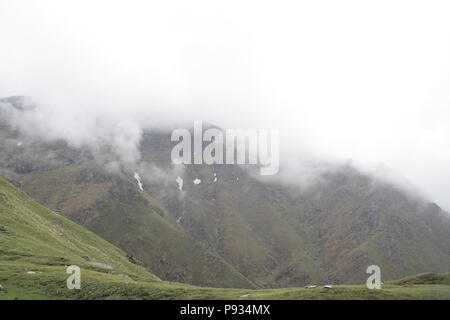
{"x": 37, "y": 245}
{"x": 221, "y": 226}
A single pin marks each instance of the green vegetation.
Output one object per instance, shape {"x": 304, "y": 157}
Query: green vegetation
{"x": 33, "y": 235}
{"x": 50, "y": 284}
{"x": 37, "y": 244}
{"x": 232, "y": 230}
{"x": 249, "y": 232}
{"x": 115, "y": 209}
{"x": 425, "y": 279}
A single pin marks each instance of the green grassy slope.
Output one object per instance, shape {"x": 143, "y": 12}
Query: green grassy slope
{"x": 36, "y": 239}
{"x": 50, "y": 284}
{"x": 357, "y": 222}
{"x": 246, "y": 230}
{"x": 239, "y": 227}
{"x": 279, "y": 235}
{"x": 114, "y": 208}
{"x": 425, "y": 279}
{"x": 34, "y": 235}
{"x": 238, "y": 217}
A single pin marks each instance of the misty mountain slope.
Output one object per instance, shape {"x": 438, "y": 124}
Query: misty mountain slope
{"x": 237, "y": 216}
{"x": 225, "y": 227}
{"x": 332, "y": 230}
{"x": 119, "y": 212}
{"x": 356, "y": 221}
{"x": 32, "y": 234}
{"x": 113, "y": 206}
{"x": 37, "y": 245}
{"x": 72, "y": 183}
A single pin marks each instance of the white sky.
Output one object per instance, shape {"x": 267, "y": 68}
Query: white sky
{"x": 363, "y": 80}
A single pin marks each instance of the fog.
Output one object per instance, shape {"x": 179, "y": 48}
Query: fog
{"x": 361, "y": 80}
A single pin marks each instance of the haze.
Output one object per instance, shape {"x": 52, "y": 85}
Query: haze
{"x": 361, "y": 80}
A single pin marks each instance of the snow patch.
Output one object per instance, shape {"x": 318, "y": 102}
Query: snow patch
{"x": 101, "y": 265}
{"x": 197, "y": 181}
{"x": 311, "y": 287}
{"x": 180, "y": 183}
{"x": 139, "y": 182}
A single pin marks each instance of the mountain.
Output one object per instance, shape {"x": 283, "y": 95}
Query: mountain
{"x": 226, "y": 227}
{"x": 36, "y": 240}
{"x": 37, "y": 245}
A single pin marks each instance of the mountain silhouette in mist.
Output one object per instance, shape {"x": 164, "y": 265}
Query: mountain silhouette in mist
{"x": 225, "y": 228}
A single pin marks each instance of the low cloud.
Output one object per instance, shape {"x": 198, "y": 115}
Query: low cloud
{"x": 347, "y": 80}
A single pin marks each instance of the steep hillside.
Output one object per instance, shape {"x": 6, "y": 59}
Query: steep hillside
{"x": 37, "y": 244}
{"x": 222, "y": 226}
{"x": 332, "y": 230}
{"x": 30, "y": 234}
{"x": 356, "y": 221}
{"x": 115, "y": 209}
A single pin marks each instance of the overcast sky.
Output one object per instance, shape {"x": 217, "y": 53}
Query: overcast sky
{"x": 361, "y": 80}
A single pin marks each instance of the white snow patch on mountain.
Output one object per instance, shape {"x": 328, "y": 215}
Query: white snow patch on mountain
{"x": 179, "y": 181}
{"x": 139, "y": 182}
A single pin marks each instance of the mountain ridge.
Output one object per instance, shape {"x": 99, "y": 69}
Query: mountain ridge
{"x": 263, "y": 234}
{"x": 37, "y": 245}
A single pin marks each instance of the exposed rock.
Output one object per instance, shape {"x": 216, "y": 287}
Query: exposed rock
{"x": 132, "y": 259}
{"x": 101, "y": 265}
